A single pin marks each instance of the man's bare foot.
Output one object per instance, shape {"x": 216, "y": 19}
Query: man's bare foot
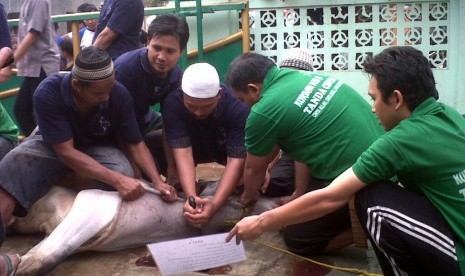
{"x": 8, "y": 264}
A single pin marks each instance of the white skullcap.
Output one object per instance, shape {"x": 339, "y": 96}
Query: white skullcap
{"x": 200, "y": 80}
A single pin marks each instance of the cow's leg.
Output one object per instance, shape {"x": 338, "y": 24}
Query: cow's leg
{"x": 92, "y": 211}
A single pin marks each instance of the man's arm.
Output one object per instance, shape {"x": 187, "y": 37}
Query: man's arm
{"x": 232, "y": 173}
{"x": 79, "y": 162}
{"x": 143, "y": 159}
{"x": 185, "y": 166}
{"x": 105, "y": 38}
{"x": 308, "y": 207}
{"x": 6, "y": 56}
{"x": 302, "y": 177}
{"x": 171, "y": 171}
{"x": 30, "y": 38}
{"x": 254, "y": 175}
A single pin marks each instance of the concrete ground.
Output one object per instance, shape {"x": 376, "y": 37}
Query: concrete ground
{"x": 261, "y": 259}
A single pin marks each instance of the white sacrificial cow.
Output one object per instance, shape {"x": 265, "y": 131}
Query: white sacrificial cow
{"x": 101, "y": 221}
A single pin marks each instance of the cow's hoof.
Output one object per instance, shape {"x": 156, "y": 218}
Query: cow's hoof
{"x": 146, "y": 260}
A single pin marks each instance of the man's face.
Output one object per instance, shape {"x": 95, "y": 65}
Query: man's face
{"x": 98, "y": 92}
{"x": 250, "y": 97}
{"x": 201, "y": 108}
{"x": 385, "y": 111}
{"x": 163, "y": 53}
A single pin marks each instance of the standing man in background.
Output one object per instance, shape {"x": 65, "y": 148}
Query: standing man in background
{"x": 6, "y": 54}
{"x": 119, "y": 26}
{"x": 37, "y": 57}
{"x": 5, "y": 39}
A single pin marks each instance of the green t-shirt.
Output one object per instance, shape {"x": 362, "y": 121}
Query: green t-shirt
{"x": 427, "y": 153}
{"x": 8, "y": 129}
{"x": 316, "y": 119}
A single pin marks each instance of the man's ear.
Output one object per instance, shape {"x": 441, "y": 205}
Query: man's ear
{"x": 75, "y": 84}
{"x": 396, "y": 99}
{"x": 254, "y": 88}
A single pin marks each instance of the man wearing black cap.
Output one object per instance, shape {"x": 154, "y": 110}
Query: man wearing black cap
{"x": 82, "y": 116}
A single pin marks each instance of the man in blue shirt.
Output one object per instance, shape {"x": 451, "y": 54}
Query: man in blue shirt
{"x": 151, "y": 73}
{"x": 119, "y": 26}
{"x": 83, "y": 116}
{"x": 5, "y": 39}
{"x": 8, "y": 262}
{"x": 205, "y": 123}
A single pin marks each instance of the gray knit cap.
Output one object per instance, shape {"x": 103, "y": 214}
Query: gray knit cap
{"x": 297, "y": 58}
{"x": 92, "y": 64}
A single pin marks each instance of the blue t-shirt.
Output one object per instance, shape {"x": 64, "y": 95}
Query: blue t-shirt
{"x": 124, "y": 17}
{"x": 5, "y": 39}
{"x": 133, "y": 70}
{"x": 221, "y": 134}
{"x": 60, "y": 121}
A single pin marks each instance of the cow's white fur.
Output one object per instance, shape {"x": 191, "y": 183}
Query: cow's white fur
{"x": 100, "y": 220}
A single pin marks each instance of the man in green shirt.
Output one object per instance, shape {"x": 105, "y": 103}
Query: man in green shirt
{"x": 8, "y": 130}
{"x": 418, "y": 227}
{"x": 318, "y": 120}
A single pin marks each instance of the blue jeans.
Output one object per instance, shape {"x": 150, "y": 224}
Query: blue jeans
{"x": 29, "y": 170}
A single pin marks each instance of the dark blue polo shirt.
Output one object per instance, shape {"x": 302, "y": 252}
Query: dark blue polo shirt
{"x": 220, "y": 135}
{"x": 5, "y": 39}
{"x": 124, "y": 17}
{"x": 59, "y": 120}
{"x": 133, "y": 70}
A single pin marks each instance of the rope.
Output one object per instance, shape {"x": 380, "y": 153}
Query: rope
{"x": 345, "y": 269}
{"x": 246, "y": 211}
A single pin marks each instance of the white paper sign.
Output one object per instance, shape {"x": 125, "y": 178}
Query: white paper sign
{"x": 195, "y": 254}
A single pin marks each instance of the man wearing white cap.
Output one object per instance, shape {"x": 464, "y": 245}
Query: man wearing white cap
{"x": 205, "y": 122}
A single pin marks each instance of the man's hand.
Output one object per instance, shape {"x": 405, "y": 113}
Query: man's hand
{"x": 246, "y": 199}
{"x": 6, "y": 58}
{"x": 286, "y": 199}
{"x": 129, "y": 188}
{"x": 5, "y": 74}
{"x": 168, "y": 192}
{"x": 248, "y": 228}
{"x": 201, "y": 214}
{"x": 266, "y": 182}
